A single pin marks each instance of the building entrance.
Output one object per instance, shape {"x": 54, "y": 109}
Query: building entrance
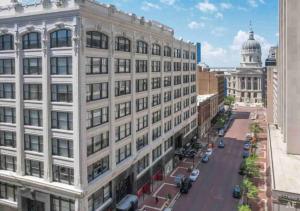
{"x": 33, "y": 205}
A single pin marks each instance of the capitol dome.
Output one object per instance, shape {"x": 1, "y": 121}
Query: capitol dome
{"x": 251, "y": 44}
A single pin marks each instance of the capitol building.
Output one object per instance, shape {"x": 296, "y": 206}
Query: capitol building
{"x": 246, "y": 83}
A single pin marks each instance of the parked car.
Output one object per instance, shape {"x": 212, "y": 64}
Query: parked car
{"x": 236, "y": 193}
{"x": 221, "y": 144}
{"x": 242, "y": 168}
{"x": 179, "y": 179}
{"x": 246, "y": 154}
{"x": 247, "y": 146}
{"x": 186, "y": 185}
{"x": 205, "y": 159}
{"x": 194, "y": 175}
{"x": 221, "y": 132}
{"x": 209, "y": 151}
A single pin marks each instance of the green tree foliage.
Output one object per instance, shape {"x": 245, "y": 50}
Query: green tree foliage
{"x": 244, "y": 207}
{"x": 251, "y": 166}
{"x": 229, "y": 100}
{"x": 250, "y": 191}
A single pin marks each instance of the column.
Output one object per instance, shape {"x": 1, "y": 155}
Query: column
{"x": 46, "y": 105}
{"x": 133, "y": 99}
{"x": 19, "y": 105}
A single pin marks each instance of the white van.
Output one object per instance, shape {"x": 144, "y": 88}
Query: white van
{"x": 221, "y": 132}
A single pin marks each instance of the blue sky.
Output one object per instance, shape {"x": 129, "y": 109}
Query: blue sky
{"x": 220, "y": 25}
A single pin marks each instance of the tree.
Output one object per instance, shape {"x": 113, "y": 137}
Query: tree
{"x": 255, "y": 129}
{"x": 229, "y": 100}
{"x": 221, "y": 121}
{"x": 250, "y": 191}
{"x": 251, "y": 167}
{"x": 244, "y": 207}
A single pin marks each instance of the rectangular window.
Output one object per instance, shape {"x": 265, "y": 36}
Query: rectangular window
{"x": 156, "y": 133}
{"x": 32, "y": 91}
{"x": 141, "y": 66}
{"x": 177, "y": 93}
{"x": 142, "y": 123}
{"x": 186, "y": 115}
{"x": 63, "y": 174}
{"x": 61, "y": 65}
{"x": 167, "y": 66}
{"x": 62, "y": 120}
{"x": 185, "y": 54}
{"x": 122, "y": 66}
{"x": 168, "y": 144}
{"x": 167, "y": 96}
{"x": 34, "y": 168}
{"x": 61, "y": 204}
{"x": 123, "y": 153}
{"x": 193, "y": 55}
{"x": 156, "y": 153}
{"x": 7, "y": 90}
{"x": 168, "y": 111}
{"x": 156, "y": 83}
{"x": 141, "y": 104}
{"x": 186, "y": 91}
{"x": 7, "y": 139}
{"x": 96, "y": 91}
{"x": 8, "y": 162}
{"x": 186, "y": 67}
{"x": 33, "y": 143}
{"x": 141, "y": 85}
{"x": 123, "y": 131}
{"x": 177, "y": 120}
{"x": 177, "y": 66}
{"x": 97, "y": 117}
{"x": 155, "y": 66}
{"x": 32, "y": 66}
{"x": 186, "y": 102}
{"x": 156, "y": 100}
{"x": 177, "y": 80}
{"x": 177, "y": 107}
{"x": 7, "y": 115}
{"x": 156, "y": 116}
{"x": 186, "y": 79}
{"x": 142, "y": 141}
{"x": 96, "y": 65}
{"x": 98, "y": 142}
{"x": 61, "y": 93}
{"x": 123, "y": 109}
{"x": 143, "y": 163}
{"x": 98, "y": 168}
{"x": 33, "y": 117}
{"x": 122, "y": 88}
{"x": 62, "y": 147}
{"x": 177, "y": 53}
{"x": 99, "y": 197}
{"x": 168, "y": 126}
{"x": 167, "y": 81}
{"x": 7, "y": 66}
{"x": 8, "y": 191}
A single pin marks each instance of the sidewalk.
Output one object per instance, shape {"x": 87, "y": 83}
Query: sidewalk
{"x": 168, "y": 187}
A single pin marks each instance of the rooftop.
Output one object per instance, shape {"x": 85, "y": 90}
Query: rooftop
{"x": 202, "y": 98}
{"x": 285, "y": 167}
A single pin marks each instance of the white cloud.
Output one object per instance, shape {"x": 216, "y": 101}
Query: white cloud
{"x": 196, "y": 25}
{"x": 218, "y": 31}
{"x": 255, "y": 3}
{"x": 147, "y": 6}
{"x": 277, "y": 34}
{"x": 168, "y": 2}
{"x": 206, "y": 6}
{"x": 219, "y": 15}
{"x": 242, "y": 8}
{"x": 225, "y": 5}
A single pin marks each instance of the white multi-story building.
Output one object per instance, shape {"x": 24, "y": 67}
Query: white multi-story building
{"x": 93, "y": 102}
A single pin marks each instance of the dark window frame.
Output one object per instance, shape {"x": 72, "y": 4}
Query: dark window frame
{"x": 64, "y": 41}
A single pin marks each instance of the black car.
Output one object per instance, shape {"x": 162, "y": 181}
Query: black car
{"x": 186, "y": 185}
{"x": 221, "y": 144}
{"x": 236, "y": 192}
{"x": 242, "y": 168}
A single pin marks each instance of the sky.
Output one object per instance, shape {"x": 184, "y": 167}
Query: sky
{"x": 220, "y": 25}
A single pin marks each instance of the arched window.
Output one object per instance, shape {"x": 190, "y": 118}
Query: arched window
{"x": 167, "y": 51}
{"x": 141, "y": 47}
{"x": 31, "y": 40}
{"x": 122, "y": 44}
{"x": 155, "y": 49}
{"x": 96, "y": 39}
{"x": 6, "y": 42}
{"x": 61, "y": 38}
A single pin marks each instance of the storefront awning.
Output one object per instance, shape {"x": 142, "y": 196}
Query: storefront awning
{"x": 126, "y": 203}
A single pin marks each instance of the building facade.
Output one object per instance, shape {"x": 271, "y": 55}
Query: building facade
{"x": 246, "y": 83}
{"x": 283, "y": 129}
{"x": 93, "y": 102}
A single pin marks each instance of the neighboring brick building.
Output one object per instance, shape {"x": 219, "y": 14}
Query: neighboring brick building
{"x": 210, "y": 83}
{"x": 207, "y": 110}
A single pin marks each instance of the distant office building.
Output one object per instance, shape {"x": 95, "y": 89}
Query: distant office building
{"x": 93, "y": 102}
{"x": 284, "y": 124}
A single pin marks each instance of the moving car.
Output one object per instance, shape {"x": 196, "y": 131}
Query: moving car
{"x": 246, "y": 154}
{"x": 221, "y": 144}
{"x": 186, "y": 185}
{"x": 194, "y": 175}
{"x": 236, "y": 193}
{"x": 179, "y": 179}
{"x": 205, "y": 159}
